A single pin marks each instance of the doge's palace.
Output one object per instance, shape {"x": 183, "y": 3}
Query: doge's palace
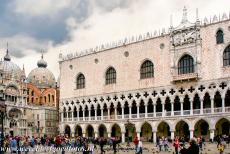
{"x": 168, "y": 83}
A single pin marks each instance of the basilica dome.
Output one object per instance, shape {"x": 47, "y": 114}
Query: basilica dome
{"x": 10, "y": 70}
{"x": 41, "y": 76}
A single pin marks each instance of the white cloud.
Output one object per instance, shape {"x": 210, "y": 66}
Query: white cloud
{"x": 138, "y": 16}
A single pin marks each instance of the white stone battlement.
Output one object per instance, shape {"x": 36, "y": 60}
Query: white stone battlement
{"x": 138, "y": 38}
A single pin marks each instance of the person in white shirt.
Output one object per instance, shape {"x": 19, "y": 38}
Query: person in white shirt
{"x": 139, "y": 147}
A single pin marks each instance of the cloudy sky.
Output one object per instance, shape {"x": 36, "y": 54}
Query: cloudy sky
{"x": 67, "y": 26}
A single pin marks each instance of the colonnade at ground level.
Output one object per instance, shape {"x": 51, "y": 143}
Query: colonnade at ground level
{"x": 150, "y": 130}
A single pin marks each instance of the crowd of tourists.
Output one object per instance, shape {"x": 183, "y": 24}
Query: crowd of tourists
{"x": 26, "y": 144}
{"x": 195, "y": 144}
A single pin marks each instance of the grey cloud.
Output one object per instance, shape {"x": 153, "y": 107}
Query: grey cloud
{"x": 109, "y": 5}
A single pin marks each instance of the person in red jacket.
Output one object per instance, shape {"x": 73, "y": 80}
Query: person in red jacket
{"x": 136, "y": 141}
{"x": 176, "y": 145}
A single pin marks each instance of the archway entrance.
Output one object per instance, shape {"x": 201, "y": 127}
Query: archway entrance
{"x": 78, "y": 131}
{"x": 89, "y": 131}
{"x": 102, "y": 131}
{"x": 201, "y": 129}
{"x": 163, "y": 129}
{"x": 146, "y": 132}
{"x": 116, "y": 131}
{"x": 130, "y": 131}
{"x": 182, "y": 130}
{"x": 67, "y": 130}
{"x": 223, "y": 127}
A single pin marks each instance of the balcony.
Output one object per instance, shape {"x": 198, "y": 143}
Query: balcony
{"x": 156, "y": 115}
{"x": 179, "y": 77}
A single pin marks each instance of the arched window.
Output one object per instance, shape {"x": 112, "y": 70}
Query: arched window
{"x": 80, "y": 81}
{"x": 110, "y": 76}
{"x": 147, "y": 70}
{"x": 186, "y": 65}
{"x": 226, "y": 56}
{"x": 219, "y": 37}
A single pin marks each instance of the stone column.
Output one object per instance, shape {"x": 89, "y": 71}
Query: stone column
{"x": 154, "y": 137}
{"x": 212, "y": 105}
{"x": 163, "y": 109}
{"x": 191, "y": 107}
{"x": 212, "y": 134}
{"x": 62, "y": 116}
{"x": 115, "y": 113}
{"x": 202, "y": 106}
{"x": 83, "y": 115}
{"x": 123, "y": 137}
{"x": 108, "y": 113}
{"x": 67, "y": 116}
{"x": 172, "y": 135}
{"x": 154, "y": 110}
{"x": 109, "y": 134}
{"x": 181, "y": 108}
{"x": 138, "y": 112}
{"x": 95, "y": 114}
{"x": 89, "y": 114}
{"x": 146, "y": 110}
{"x": 122, "y": 110}
{"x": 83, "y": 134}
{"x": 138, "y": 135}
{"x": 172, "y": 108}
{"x": 72, "y": 116}
{"x": 96, "y": 134}
{"x": 73, "y": 134}
{"x": 223, "y": 104}
{"x": 191, "y": 134}
{"x": 102, "y": 117}
{"x": 130, "y": 112}
{"x": 77, "y": 114}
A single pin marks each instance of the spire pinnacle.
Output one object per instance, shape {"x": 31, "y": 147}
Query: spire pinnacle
{"x": 7, "y": 56}
{"x": 7, "y": 46}
{"x": 42, "y": 54}
{"x": 184, "y": 17}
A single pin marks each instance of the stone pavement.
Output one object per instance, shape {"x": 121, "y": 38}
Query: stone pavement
{"x": 148, "y": 148}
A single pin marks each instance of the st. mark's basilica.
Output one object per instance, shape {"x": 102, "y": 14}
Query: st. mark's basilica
{"x": 168, "y": 83}
{"x": 31, "y": 102}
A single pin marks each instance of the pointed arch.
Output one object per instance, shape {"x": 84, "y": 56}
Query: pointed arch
{"x": 102, "y": 131}
{"x": 116, "y": 130}
{"x": 146, "y": 131}
{"x": 110, "y": 76}
{"x": 182, "y": 130}
{"x": 186, "y": 64}
{"x": 80, "y": 81}
{"x": 222, "y": 127}
{"x": 219, "y": 36}
{"x": 226, "y": 56}
{"x": 163, "y": 129}
{"x": 147, "y": 69}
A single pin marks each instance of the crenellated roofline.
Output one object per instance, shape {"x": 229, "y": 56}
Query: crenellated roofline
{"x": 146, "y": 36}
